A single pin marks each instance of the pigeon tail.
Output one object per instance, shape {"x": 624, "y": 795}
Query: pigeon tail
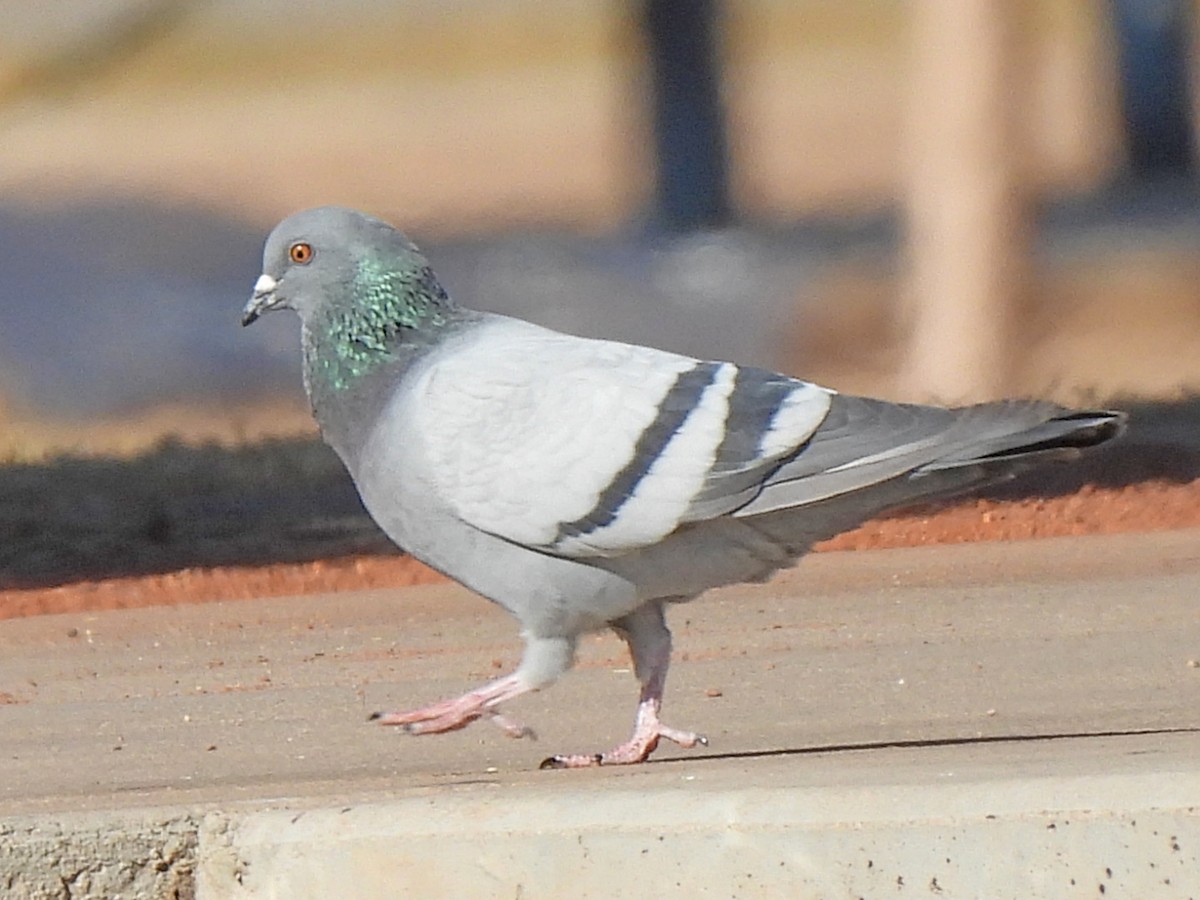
{"x": 1062, "y": 437}
{"x": 865, "y": 442}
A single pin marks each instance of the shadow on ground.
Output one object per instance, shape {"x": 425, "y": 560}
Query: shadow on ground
{"x": 288, "y": 501}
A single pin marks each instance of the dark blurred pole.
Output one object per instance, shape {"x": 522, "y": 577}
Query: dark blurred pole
{"x": 689, "y": 124}
{"x": 1154, "y": 43}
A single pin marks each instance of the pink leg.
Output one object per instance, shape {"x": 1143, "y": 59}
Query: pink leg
{"x": 544, "y": 660}
{"x": 650, "y": 645}
{"x": 451, "y": 715}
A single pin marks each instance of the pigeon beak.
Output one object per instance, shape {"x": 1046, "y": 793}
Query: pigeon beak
{"x": 263, "y": 300}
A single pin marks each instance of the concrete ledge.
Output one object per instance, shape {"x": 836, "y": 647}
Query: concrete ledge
{"x": 130, "y": 854}
{"x": 961, "y": 821}
{"x": 1117, "y": 815}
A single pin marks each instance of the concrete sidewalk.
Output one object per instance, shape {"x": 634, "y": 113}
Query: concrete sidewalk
{"x": 982, "y": 720}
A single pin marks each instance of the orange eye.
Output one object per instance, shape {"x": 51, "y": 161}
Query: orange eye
{"x": 300, "y": 253}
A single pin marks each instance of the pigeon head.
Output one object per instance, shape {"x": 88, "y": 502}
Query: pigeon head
{"x": 337, "y": 264}
{"x": 366, "y": 297}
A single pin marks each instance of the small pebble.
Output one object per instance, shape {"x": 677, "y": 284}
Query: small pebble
{"x": 714, "y": 692}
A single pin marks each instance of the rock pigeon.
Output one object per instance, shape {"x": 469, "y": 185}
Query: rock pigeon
{"x": 587, "y": 484}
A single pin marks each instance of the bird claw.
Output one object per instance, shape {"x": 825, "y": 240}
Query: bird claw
{"x": 511, "y": 727}
{"x": 439, "y": 723}
{"x": 637, "y": 749}
{"x": 565, "y": 762}
{"x": 451, "y": 715}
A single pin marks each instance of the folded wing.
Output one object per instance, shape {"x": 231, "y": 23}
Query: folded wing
{"x": 593, "y": 448}
{"x": 584, "y": 448}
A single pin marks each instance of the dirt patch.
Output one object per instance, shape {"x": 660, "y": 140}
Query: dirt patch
{"x": 1154, "y": 506}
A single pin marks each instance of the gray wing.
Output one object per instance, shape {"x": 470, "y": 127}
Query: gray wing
{"x": 583, "y": 448}
{"x": 589, "y": 449}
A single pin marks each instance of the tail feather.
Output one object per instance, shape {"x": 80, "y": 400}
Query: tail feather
{"x": 867, "y": 442}
{"x": 1063, "y": 436}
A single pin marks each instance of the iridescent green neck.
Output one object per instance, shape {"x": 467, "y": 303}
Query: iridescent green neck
{"x": 390, "y": 310}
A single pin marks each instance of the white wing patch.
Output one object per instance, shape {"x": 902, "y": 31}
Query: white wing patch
{"x": 524, "y": 428}
{"x": 795, "y": 420}
{"x": 662, "y": 495}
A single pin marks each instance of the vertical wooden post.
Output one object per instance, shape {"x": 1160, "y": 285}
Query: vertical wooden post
{"x": 966, "y": 216}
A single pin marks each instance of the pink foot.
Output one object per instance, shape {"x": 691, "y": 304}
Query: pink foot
{"x": 646, "y": 734}
{"x": 451, "y": 715}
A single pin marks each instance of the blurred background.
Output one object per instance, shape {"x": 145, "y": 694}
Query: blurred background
{"x": 916, "y": 199}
